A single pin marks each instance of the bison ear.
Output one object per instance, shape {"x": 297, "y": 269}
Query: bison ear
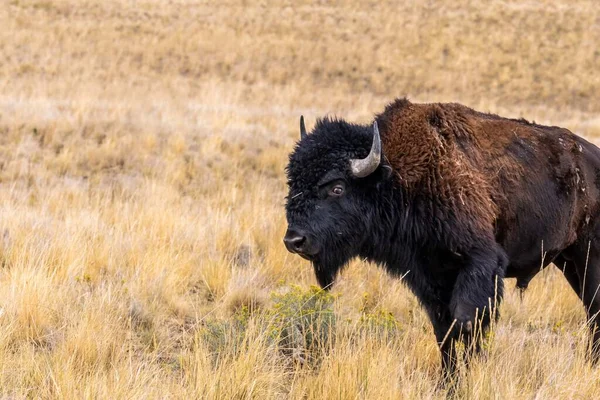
{"x": 386, "y": 171}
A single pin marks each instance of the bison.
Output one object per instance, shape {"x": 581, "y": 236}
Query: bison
{"x": 453, "y": 200}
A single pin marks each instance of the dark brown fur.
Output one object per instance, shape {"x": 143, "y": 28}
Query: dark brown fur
{"x": 491, "y": 170}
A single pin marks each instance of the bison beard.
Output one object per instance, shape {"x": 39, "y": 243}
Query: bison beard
{"x": 335, "y": 253}
{"x": 327, "y": 265}
{"x": 325, "y": 273}
{"x": 453, "y": 200}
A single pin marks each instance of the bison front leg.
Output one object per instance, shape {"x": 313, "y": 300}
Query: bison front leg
{"x": 447, "y": 334}
{"x": 477, "y": 293}
{"x": 446, "y": 337}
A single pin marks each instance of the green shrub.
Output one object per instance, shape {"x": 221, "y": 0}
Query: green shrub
{"x": 302, "y": 322}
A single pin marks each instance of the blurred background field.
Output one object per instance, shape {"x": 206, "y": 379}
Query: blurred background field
{"x": 142, "y": 155}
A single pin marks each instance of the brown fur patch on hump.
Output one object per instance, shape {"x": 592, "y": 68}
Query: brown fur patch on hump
{"x": 433, "y": 150}
{"x": 408, "y": 142}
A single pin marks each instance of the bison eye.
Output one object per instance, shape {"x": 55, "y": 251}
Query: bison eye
{"x": 336, "y": 190}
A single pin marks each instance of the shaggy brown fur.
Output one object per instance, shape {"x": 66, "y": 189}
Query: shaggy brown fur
{"x": 479, "y": 167}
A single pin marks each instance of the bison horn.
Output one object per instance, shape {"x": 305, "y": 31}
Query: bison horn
{"x": 302, "y": 128}
{"x": 366, "y": 166}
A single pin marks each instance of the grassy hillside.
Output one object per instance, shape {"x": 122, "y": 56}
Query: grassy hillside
{"x": 142, "y": 148}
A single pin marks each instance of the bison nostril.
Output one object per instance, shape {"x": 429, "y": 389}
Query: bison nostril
{"x": 298, "y": 241}
{"x": 294, "y": 241}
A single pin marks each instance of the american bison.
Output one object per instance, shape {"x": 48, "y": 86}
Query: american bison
{"x": 453, "y": 200}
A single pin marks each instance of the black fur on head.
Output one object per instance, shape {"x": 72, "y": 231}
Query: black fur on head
{"x": 332, "y": 215}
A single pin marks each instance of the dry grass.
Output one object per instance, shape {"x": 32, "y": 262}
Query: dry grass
{"x": 142, "y": 147}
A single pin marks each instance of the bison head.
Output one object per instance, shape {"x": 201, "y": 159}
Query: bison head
{"x": 337, "y": 179}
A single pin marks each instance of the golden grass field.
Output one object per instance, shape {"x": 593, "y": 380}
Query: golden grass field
{"x": 142, "y": 154}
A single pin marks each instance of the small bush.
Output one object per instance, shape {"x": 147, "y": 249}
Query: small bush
{"x": 302, "y": 322}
